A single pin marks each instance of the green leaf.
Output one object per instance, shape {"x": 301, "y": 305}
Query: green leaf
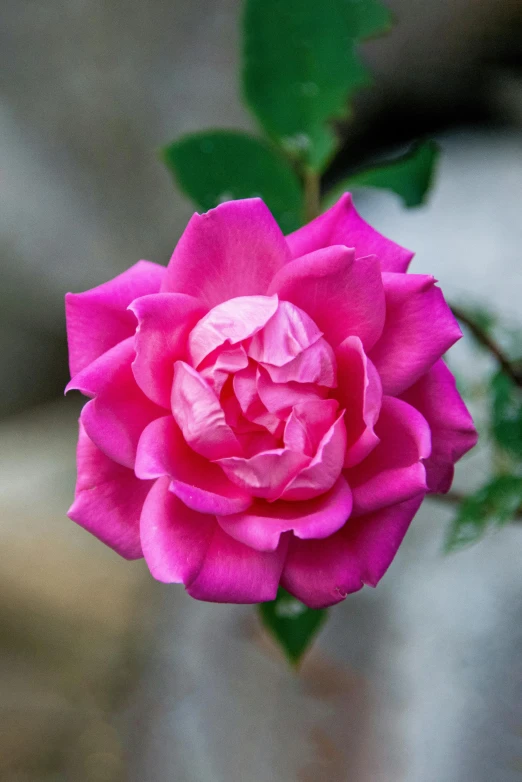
{"x": 291, "y": 623}
{"x": 506, "y": 414}
{"x": 301, "y": 68}
{"x": 216, "y": 166}
{"x": 494, "y": 505}
{"x": 409, "y": 176}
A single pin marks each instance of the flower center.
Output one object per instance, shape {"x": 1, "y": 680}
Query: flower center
{"x": 260, "y": 383}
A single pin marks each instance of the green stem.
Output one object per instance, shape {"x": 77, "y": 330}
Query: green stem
{"x": 312, "y": 192}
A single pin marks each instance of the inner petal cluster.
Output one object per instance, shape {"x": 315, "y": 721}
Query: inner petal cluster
{"x": 257, "y": 397}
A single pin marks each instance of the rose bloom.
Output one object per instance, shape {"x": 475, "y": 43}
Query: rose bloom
{"x": 265, "y": 410}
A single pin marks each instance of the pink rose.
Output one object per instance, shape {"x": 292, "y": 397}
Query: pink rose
{"x": 265, "y": 410}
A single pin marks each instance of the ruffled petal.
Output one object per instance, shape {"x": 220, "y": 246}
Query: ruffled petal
{"x": 279, "y": 398}
{"x": 321, "y": 573}
{"x": 263, "y": 524}
{"x": 266, "y": 473}
{"x": 232, "y": 250}
{"x": 98, "y": 319}
{"x": 452, "y": 431}
{"x": 308, "y": 423}
{"x": 200, "y": 484}
{"x": 360, "y": 393}
{"x": 343, "y": 296}
{"x": 174, "y": 538}
{"x": 341, "y": 224}
{"x": 226, "y": 363}
{"x": 394, "y": 471}
{"x": 316, "y": 364}
{"x": 120, "y": 411}
{"x": 235, "y": 573}
{"x": 230, "y": 322}
{"x": 323, "y": 471}
{"x": 285, "y": 336}
{"x": 199, "y": 415}
{"x": 108, "y": 499}
{"x": 164, "y": 323}
{"x": 419, "y": 329}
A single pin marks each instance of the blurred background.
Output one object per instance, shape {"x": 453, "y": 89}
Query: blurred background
{"x": 106, "y": 675}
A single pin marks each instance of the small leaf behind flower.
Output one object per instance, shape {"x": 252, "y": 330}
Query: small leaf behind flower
{"x": 216, "y": 166}
{"x": 409, "y": 176}
{"x": 301, "y": 68}
{"x": 494, "y": 505}
{"x": 506, "y": 414}
{"x": 291, "y": 623}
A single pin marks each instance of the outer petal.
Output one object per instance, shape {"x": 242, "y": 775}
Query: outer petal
{"x": 165, "y": 321}
{"x": 108, "y": 499}
{"x": 262, "y": 525}
{"x": 174, "y": 538}
{"x": 232, "y": 250}
{"x": 324, "y": 469}
{"x": 235, "y": 573}
{"x": 265, "y": 474}
{"x": 360, "y": 393}
{"x": 393, "y": 472}
{"x": 452, "y": 431}
{"x": 98, "y": 319}
{"x": 321, "y": 573}
{"x": 232, "y": 322}
{"x": 199, "y": 415}
{"x": 343, "y": 296}
{"x": 197, "y": 482}
{"x": 120, "y": 411}
{"x": 341, "y": 224}
{"x": 419, "y": 328}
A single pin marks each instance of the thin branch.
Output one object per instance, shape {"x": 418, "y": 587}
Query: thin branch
{"x": 456, "y": 497}
{"x": 486, "y": 341}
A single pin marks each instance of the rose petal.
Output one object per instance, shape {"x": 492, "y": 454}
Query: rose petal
{"x": 322, "y": 573}
{"x": 230, "y": 322}
{"x": 232, "y": 250}
{"x": 174, "y": 538}
{"x": 165, "y": 320}
{"x": 308, "y": 424}
{"x": 324, "y": 469}
{"x": 235, "y": 573}
{"x": 201, "y": 485}
{"x": 360, "y": 393}
{"x": 245, "y": 388}
{"x": 226, "y": 363}
{"x": 343, "y": 296}
{"x": 285, "y": 336}
{"x": 262, "y": 525}
{"x": 279, "y": 398}
{"x": 108, "y": 499}
{"x": 316, "y": 364}
{"x": 98, "y": 319}
{"x": 393, "y": 472}
{"x": 419, "y": 328}
{"x": 116, "y": 417}
{"x": 452, "y": 431}
{"x": 199, "y": 415}
{"x": 341, "y": 224}
{"x": 266, "y": 473}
